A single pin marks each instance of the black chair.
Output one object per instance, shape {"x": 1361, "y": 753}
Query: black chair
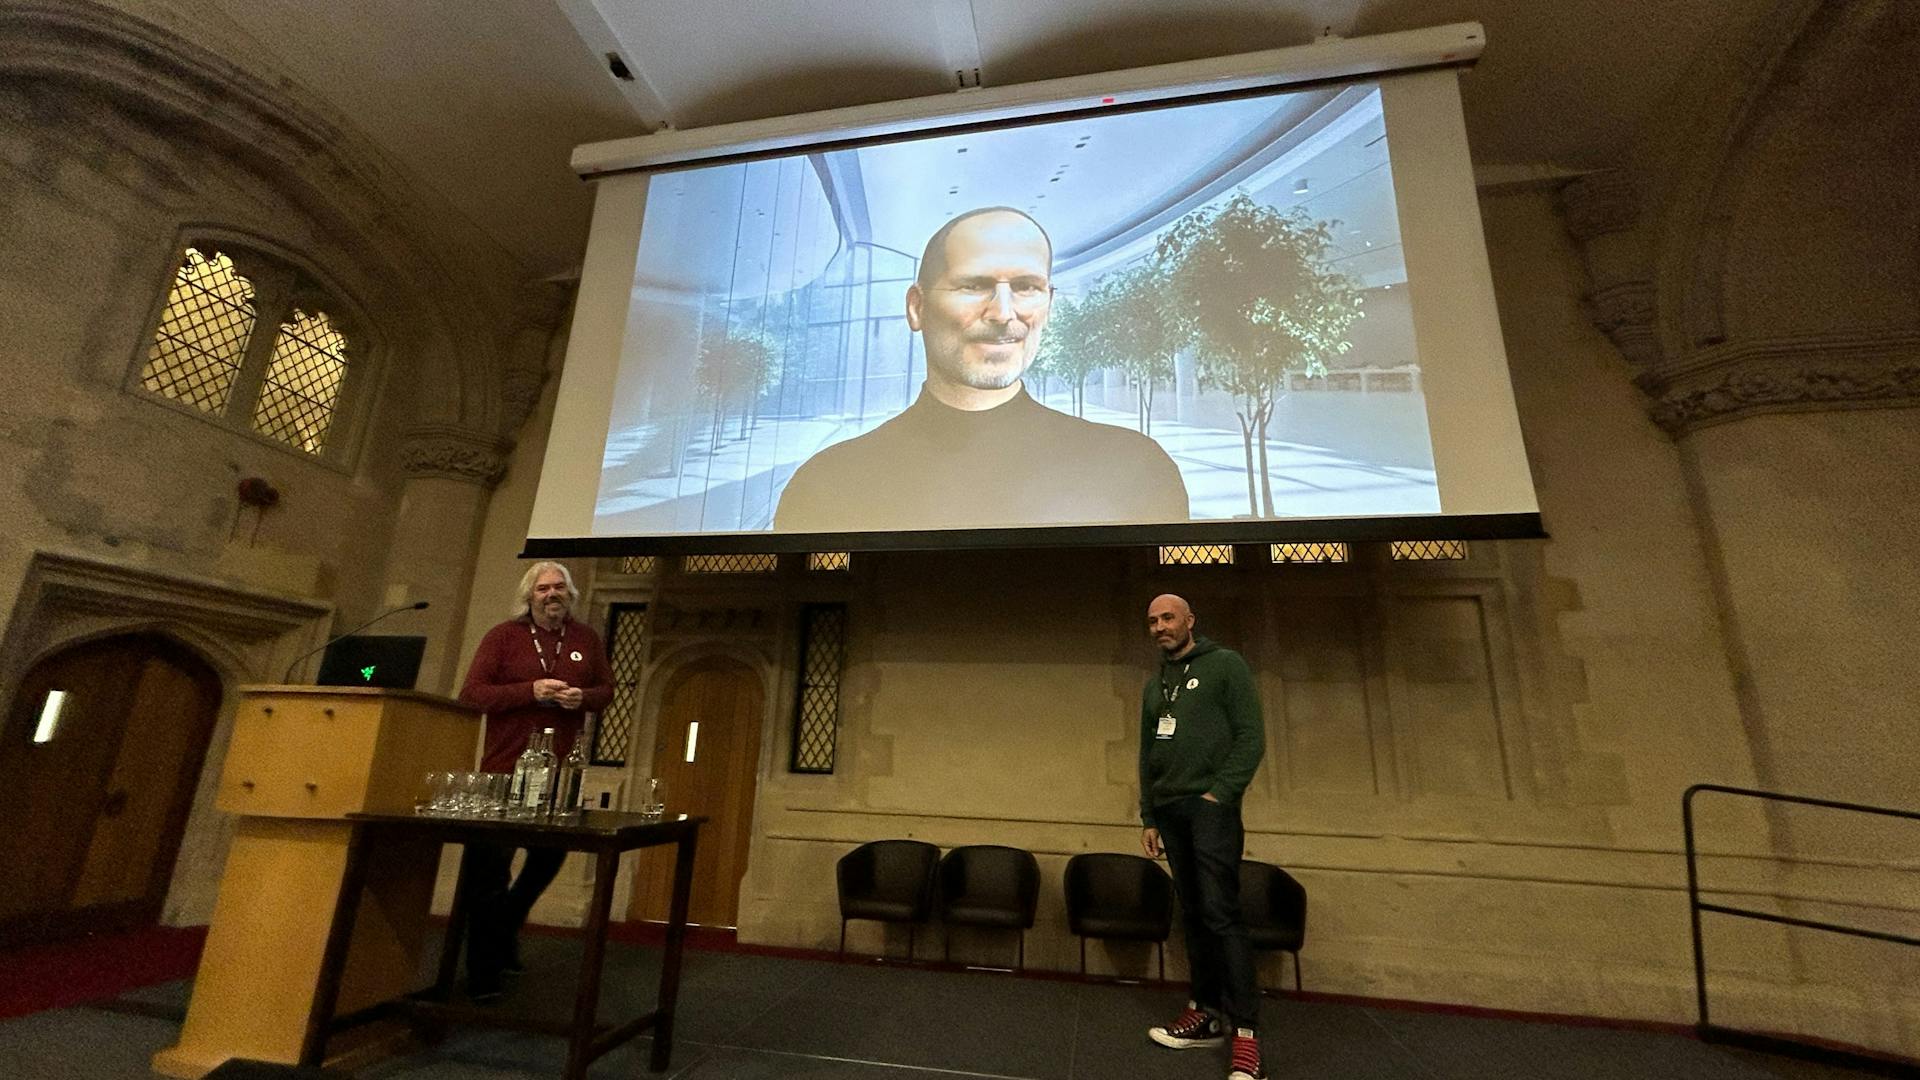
{"x": 887, "y": 881}
{"x": 1274, "y": 906}
{"x": 991, "y": 886}
{"x": 1119, "y": 898}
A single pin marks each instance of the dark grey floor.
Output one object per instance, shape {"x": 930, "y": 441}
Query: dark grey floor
{"x": 750, "y": 1017}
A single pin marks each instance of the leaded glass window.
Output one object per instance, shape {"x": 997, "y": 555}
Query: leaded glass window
{"x": 1421, "y": 550}
{"x": 1331, "y": 552}
{"x": 729, "y": 564}
{"x": 202, "y": 339}
{"x": 626, "y": 635}
{"x": 211, "y": 352}
{"x": 1196, "y": 554}
{"x": 303, "y": 382}
{"x": 816, "y": 714}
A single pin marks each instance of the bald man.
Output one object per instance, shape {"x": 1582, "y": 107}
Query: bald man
{"x": 1201, "y": 739}
{"x": 974, "y": 450}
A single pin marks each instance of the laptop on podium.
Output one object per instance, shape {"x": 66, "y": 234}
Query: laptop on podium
{"x": 386, "y": 660}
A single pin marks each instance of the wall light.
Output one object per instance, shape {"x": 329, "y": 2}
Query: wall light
{"x": 50, "y": 715}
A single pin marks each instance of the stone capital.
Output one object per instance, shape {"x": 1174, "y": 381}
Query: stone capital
{"x": 1599, "y": 203}
{"x": 1802, "y": 374}
{"x": 445, "y": 452}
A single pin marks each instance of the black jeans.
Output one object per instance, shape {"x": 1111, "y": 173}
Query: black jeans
{"x": 497, "y": 911}
{"x": 1203, "y": 841}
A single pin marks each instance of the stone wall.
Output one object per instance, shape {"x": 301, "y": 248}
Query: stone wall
{"x": 120, "y": 141}
{"x": 1474, "y": 767}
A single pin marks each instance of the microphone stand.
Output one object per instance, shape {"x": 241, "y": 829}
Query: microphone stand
{"x": 420, "y": 605}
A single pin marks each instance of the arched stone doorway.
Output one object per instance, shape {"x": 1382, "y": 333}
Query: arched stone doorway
{"x": 102, "y": 747}
{"x": 706, "y": 755}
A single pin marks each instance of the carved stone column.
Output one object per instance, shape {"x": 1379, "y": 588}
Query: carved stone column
{"x": 449, "y": 473}
{"x": 1602, "y": 214}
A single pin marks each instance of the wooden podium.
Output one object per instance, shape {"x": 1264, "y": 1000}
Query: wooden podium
{"x": 301, "y": 759}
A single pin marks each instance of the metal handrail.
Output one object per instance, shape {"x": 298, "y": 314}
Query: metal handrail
{"x": 1695, "y": 906}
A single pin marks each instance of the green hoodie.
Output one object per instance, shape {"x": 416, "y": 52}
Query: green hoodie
{"x": 1218, "y": 737}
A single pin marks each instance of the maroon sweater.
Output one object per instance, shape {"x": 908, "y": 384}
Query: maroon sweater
{"x": 505, "y": 667}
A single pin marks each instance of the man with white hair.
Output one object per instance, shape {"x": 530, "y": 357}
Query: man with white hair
{"x": 539, "y": 669}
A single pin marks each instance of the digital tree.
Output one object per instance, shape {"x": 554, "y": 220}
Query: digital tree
{"x": 1067, "y": 352}
{"x": 1253, "y": 287}
{"x": 1145, "y": 329}
{"x": 736, "y": 367}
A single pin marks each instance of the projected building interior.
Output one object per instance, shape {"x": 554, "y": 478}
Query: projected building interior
{"x": 767, "y": 318}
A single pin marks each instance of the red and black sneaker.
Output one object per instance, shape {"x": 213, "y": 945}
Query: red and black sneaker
{"x": 1246, "y": 1056}
{"x": 1194, "y": 1028}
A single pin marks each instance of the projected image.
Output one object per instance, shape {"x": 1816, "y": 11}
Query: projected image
{"x": 1189, "y": 313}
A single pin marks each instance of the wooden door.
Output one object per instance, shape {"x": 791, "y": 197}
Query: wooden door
{"x": 102, "y": 746}
{"x": 706, "y": 754}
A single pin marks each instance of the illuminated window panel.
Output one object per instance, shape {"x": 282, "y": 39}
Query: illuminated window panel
{"x": 729, "y": 564}
{"x": 1196, "y": 555}
{"x": 816, "y": 713}
{"x": 829, "y": 560}
{"x": 202, "y": 339}
{"x": 1419, "y": 550}
{"x": 1309, "y": 553}
{"x": 303, "y": 382}
{"x": 624, "y": 640}
{"x": 639, "y": 564}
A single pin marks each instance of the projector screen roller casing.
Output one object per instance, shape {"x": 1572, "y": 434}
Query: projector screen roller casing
{"x": 752, "y": 331}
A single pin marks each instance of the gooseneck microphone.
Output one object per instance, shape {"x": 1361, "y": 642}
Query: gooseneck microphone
{"x": 420, "y": 605}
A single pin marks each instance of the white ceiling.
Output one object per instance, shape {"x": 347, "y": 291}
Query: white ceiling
{"x": 484, "y": 101}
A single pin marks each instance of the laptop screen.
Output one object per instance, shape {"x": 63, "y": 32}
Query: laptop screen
{"x": 387, "y": 660}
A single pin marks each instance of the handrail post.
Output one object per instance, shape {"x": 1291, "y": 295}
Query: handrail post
{"x": 1693, "y": 908}
{"x": 1771, "y": 1043}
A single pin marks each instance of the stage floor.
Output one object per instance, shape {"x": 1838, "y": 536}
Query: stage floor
{"x": 745, "y": 1015}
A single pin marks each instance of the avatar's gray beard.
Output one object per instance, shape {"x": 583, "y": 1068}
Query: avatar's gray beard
{"x": 985, "y": 378}
{"x": 991, "y": 380}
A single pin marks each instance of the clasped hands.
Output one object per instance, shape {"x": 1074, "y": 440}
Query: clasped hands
{"x": 557, "y": 692}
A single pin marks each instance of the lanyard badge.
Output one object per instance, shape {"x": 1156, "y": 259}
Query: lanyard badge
{"x": 1168, "y": 696}
{"x": 559, "y": 643}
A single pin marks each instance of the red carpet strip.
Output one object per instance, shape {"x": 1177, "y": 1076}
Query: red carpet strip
{"x": 96, "y": 968}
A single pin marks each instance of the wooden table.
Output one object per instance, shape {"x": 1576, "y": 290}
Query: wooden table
{"x": 606, "y": 834}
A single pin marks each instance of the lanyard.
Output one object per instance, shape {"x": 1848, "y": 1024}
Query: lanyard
{"x": 560, "y": 639}
{"x": 1167, "y": 699}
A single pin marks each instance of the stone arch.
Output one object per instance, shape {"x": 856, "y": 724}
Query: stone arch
{"x": 210, "y": 649}
{"x": 1744, "y": 296}
{"x": 1805, "y": 143}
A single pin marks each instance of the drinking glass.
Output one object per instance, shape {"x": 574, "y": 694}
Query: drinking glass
{"x": 499, "y": 785}
{"x": 446, "y": 793}
{"x": 434, "y": 791}
{"x": 473, "y": 794}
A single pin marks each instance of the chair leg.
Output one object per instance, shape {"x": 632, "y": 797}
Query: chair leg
{"x": 1020, "y": 961}
{"x": 1163, "y": 961}
{"x": 1296, "y": 972}
{"x": 910, "y": 931}
{"x": 1083, "y": 956}
{"x": 841, "y": 957}
{"x": 946, "y": 943}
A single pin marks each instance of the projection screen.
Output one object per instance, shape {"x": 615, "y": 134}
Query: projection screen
{"x": 1208, "y": 306}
